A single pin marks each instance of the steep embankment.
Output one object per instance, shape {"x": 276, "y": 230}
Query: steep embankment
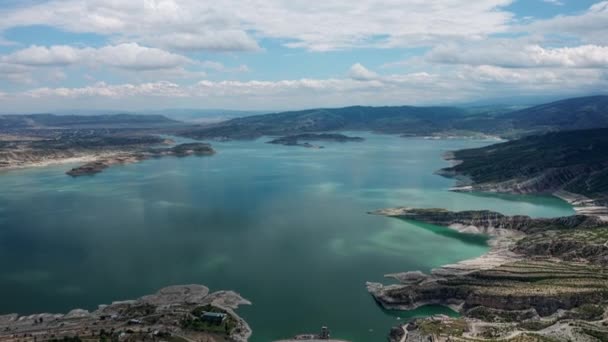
{"x": 488, "y": 222}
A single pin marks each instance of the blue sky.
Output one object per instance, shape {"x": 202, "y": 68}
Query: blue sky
{"x": 274, "y": 54}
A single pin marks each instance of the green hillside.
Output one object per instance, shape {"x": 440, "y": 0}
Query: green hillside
{"x": 576, "y": 161}
{"x": 578, "y": 113}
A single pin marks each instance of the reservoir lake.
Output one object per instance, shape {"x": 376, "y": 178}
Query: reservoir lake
{"x": 286, "y": 227}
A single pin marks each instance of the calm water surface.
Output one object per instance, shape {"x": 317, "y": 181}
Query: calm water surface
{"x": 284, "y": 226}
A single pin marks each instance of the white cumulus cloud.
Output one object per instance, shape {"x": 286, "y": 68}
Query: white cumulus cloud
{"x": 235, "y": 25}
{"x": 589, "y": 26}
{"x": 230, "y": 40}
{"x": 101, "y": 89}
{"x": 359, "y": 72}
{"x": 554, "y": 2}
{"x": 513, "y": 54}
{"x": 126, "y": 56}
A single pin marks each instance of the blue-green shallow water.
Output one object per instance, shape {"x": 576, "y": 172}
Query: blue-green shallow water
{"x": 284, "y": 226}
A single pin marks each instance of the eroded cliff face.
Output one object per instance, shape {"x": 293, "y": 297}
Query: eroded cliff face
{"x": 589, "y": 245}
{"x": 530, "y": 181}
{"x": 488, "y": 222}
{"x": 543, "y": 286}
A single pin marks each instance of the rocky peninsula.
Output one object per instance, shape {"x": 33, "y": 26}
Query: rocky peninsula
{"x": 304, "y": 139}
{"x": 175, "y": 313}
{"x": 45, "y": 148}
{"x": 182, "y": 150}
{"x": 44, "y": 139}
{"x": 540, "y": 276}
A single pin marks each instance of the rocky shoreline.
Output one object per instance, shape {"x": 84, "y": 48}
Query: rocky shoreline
{"x": 166, "y": 315}
{"x": 515, "y": 285}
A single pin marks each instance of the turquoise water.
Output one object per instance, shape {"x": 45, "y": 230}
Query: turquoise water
{"x": 284, "y": 226}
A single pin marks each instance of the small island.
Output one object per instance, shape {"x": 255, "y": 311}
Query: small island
{"x": 303, "y": 140}
{"x": 177, "y": 313}
{"x": 180, "y": 151}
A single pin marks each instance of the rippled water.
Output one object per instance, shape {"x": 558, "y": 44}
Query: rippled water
{"x": 284, "y": 226}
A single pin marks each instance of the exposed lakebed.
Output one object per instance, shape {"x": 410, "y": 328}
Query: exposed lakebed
{"x": 284, "y": 226}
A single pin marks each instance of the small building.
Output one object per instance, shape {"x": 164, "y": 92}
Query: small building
{"x": 324, "y": 335}
{"x": 213, "y": 317}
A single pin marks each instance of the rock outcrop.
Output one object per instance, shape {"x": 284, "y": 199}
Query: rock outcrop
{"x": 541, "y": 286}
{"x": 396, "y": 334}
{"x": 487, "y": 222}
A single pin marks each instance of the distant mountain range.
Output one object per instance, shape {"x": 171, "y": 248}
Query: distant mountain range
{"x": 44, "y": 121}
{"x": 510, "y": 122}
{"x": 191, "y": 115}
{"x": 577, "y": 113}
{"x": 202, "y": 115}
{"x": 383, "y": 119}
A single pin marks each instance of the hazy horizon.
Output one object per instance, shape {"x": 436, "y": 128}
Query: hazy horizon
{"x": 515, "y": 101}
